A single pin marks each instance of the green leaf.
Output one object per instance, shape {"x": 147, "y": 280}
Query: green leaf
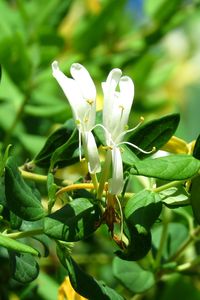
{"x": 196, "y": 151}
{"x": 140, "y": 212}
{"x": 194, "y": 198}
{"x": 66, "y": 154}
{"x": 177, "y": 233}
{"x": 172, "y": 167}
{"x": 19, "y": 196}
{"x": 42, "y": 238}
{"x": 132, "y": 276}
{"x": 58, "y": 138}
{"x": 15, "y": 221}
{"x": 12, "y": 244}
{"x": 143, "y": 209}
{"x": 128, "y": 156}
{"x": 24, "y": 267}
{"x": 175, "y": 197}
{"x": 47, "y": 288}
{"x": 155, "y": 133}
{"x": 139, "y": 243}
{"x": 3, "y": 159}
{"x": 84, "y": 284}
{"x": 73, "y": 222}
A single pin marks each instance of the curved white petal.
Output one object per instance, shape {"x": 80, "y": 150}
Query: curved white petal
{"x": 117, "y": 104}
{"x": 125, "y": 102}
{"x": 126, "y": 96}
{"x": 109, "y": 90}
{"x": 76, "y": 90}
{"x": 117, "y": 181}
{"x": 84, "y": 81}
{"x": 69, "y": 88}
{"x": 88, "y": 92}
{"x": 91, "y": 153}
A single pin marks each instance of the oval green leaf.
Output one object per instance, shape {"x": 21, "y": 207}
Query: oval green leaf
{"x": 143, "y": 209}
{"x": 172, "y": 167}
{"x": 62, "y": 136}
{"x": 24, "y": 267}
{"x": 132, "y": 276}
{"x": 74, "y": 221}
{"x": 20, "y": 198}
{"x": 155, "y": 133}
{"x": 84, "y": 284}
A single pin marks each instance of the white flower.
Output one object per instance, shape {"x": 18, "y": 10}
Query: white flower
{"x": 81, "y": 94}
{"x": 116, "y": 110}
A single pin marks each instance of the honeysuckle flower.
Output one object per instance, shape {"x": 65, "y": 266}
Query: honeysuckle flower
{"x": 81, "y": 94}
{"x": 116, "y": 110}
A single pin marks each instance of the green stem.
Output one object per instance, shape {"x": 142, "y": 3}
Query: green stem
{"x": 168, "y": 185}
{"x": 41, "y": 178}
{"x": 22, "y": 234}
{"x": 188, "y": 265}
{"x": 104, "y": 174}
{"x": 94, "y": 181}
{"x": 188, "y": 241}
{"x": 33, "y": 176}
{"x": 166, "y": 219}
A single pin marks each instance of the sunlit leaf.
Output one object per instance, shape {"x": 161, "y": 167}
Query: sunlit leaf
{"x": 154, "y": 134}
{"x": 172, "y": 167}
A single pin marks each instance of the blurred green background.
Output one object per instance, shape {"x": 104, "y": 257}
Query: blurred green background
{"x": 155, "y": 42}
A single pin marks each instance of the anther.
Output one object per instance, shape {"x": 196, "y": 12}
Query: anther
{"x": 90, "y": 102}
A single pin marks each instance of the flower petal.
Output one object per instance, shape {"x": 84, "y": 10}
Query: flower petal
{"x": 109, "y": 90}
{"x": 117, "y": 181}
{"x": 70, "y": 89}
{"x": 91, "y": 152}
{"x": 84, "y": 81}
{"x": 76, "y": 90}
{"x": 125, "y": 102}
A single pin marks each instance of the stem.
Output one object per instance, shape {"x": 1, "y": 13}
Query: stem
{"x": 76, "y": 186}
{"x": 33, "y": 176}
{"x": 168, "y": 185}
{"x": 104, "y": 174}
{"x": 188, "y": 265}
{"x": 186, "y": 244}
{"x": 22, "y": 234}
{"x": 166, "y": 219}
{"x": 94, "y": 181}
{"x": 40, "y": 178}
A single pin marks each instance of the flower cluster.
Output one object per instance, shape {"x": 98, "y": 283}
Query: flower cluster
{"x": 118, "y": 93}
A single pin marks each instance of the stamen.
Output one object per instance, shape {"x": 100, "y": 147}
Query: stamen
{"x": 130, "y": 130}
{"x": 86, "y": 115}
{"x": 90, "y": 102}
{"x": 107, "y": 147}
{"x": 136, "y": 127}
{"x": 106, "y": 131}
{"x": 122, "y": 110}
{"x": 79, "y": 145}
{"x": 138, "y": 148}
{"x": 85, "y": 120}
